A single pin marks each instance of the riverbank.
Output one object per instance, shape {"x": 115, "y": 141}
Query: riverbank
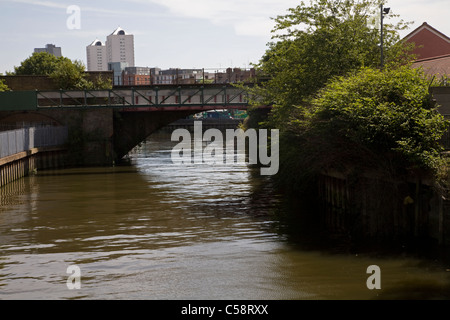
{"x": 22, "y": 164}
{"x": 308, "y": 223}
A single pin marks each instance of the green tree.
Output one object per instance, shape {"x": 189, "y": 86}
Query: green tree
{"x": 98, "y": 84}
{"x": 319, "y": 41}
{"x": 66, "y": 74}
{"x": 40, "y": 64}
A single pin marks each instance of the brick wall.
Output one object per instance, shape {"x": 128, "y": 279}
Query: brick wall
{"x": 429, "y": 42}
{"x": 25, "y": 83}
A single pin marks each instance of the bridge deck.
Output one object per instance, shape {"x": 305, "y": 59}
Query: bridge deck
{"x": 152, "y": 98}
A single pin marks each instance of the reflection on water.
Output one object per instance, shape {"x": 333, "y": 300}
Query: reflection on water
{"x": 158, "y": 230}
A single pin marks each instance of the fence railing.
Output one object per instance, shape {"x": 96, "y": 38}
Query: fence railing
{"x": 16, "y": 141}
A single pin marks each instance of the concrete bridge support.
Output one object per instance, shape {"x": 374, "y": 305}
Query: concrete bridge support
{"x": 97, "y": 136}
{"x": 90, "y": 131}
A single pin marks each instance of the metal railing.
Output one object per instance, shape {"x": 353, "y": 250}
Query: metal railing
{"x": 20, "y": 140}
{"x": 155, "y": 96}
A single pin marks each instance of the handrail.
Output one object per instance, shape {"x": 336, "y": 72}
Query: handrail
{"x": 159, "y": 96}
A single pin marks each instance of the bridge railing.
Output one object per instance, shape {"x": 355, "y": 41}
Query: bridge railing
{"x": 160, "y": 96}
{"x": 20, "y": 140}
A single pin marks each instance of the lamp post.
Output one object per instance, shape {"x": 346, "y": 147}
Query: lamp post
{"x": 383, "y": 12}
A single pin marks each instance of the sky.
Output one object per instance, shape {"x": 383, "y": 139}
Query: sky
{"x": 208, "y": 34}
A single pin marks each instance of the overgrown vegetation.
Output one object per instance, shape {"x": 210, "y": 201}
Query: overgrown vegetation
{"x": 333, "y": 105}
{"x": 316, "y": 42}
{"x": 373, "y": 120}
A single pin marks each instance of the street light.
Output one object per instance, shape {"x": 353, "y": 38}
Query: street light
{"x": 383, "y": 12}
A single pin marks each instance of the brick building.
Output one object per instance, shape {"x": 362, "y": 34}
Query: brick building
{"x": 136, "y": 76}
{"x": 432, "y": 50}
{"x": 429, "y": 42}
{"x": 234, "y": 75}
{"x": 433, "y": 56}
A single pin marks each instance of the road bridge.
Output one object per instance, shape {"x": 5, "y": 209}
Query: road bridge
{"x": 152, "y": 98}
{"x": 104, "y": 125}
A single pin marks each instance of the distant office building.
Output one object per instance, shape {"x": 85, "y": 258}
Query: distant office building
{"x": 118, "y": 68}
{"x": 136, "y": 76}
{"x": 96, "y": 56}
{"x": 178, "y": 76}
{"x": 119, "y": 47}
{"x": 234, "y": 75}
{"x": 191, "y": 76}
{"x": 51, "y": 49}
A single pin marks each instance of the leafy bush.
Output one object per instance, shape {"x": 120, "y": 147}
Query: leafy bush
{"x": 3, "y": 86}
{"x": 390, "y": 111}
{"x": 384, "y": 122}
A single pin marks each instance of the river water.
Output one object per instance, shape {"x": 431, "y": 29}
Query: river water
{"x": 155, "y": 229}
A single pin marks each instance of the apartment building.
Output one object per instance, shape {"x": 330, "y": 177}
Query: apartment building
{"x": 96, "y": 56}
{"x": 50, "y": 48}
{"x": 179, "y": 76}
{"x": 118, "y": 48}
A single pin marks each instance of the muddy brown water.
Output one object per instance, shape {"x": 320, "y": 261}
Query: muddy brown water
{"x": 158, "y": 230}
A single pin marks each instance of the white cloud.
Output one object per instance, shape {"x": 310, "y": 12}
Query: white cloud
{"x": 254, "y": 26}
{"x": 99, "y": 10}
{"x": 48, "y": 4}
{"x": 251, "y": 17}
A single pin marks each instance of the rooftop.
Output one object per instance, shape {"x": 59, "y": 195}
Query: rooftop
{"x": 429, "y": 28}
{"x": 434, "y": 66}
{"x": 96, "y": 42}
{"x": 119, "y": 31}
